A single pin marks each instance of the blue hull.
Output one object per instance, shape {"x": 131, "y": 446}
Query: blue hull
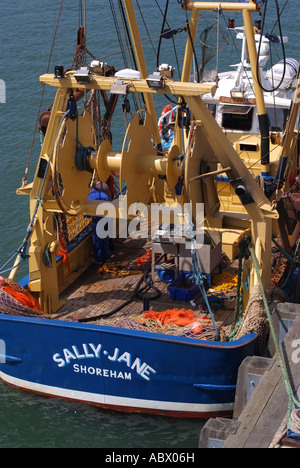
{"x": 122, "y": 369}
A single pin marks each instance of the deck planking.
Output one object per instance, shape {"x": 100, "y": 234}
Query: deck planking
{"x": 94, "y": 293}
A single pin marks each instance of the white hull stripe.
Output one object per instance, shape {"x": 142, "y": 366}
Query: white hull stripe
{"x": 117, "y": 401}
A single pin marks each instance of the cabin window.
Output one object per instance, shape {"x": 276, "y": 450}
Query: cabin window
{"x": 278, "y": 118}
{"x": 237, "y": 117}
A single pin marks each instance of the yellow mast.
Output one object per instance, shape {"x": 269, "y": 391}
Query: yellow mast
{"x": 247, "y": 9}
{"x": 45, "y": 280}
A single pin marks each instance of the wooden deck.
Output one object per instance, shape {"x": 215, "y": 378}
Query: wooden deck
{"x": 96, "y": 293}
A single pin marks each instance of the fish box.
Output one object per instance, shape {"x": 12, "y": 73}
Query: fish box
{"x": 182, "y": 288}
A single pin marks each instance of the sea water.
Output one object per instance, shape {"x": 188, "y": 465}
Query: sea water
{"x": 26, "y": 35}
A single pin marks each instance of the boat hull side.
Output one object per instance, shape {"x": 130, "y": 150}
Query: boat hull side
{"x": 120, "y": 369}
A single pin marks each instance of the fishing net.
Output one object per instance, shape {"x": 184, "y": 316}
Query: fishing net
{"x": 213, "y": 39}
{"x": 255, "y": 318}
{"x": 174, "y": 322}
{"x": 294, "y": 423}
{"x": 10, "y": 305}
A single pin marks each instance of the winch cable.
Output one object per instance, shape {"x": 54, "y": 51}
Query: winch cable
{"x": 146, "y": 27}
{"x": 24, "y": 181}
{"x": 131, "y": 52}
{"x": 283, "y": 8}
{"x": 113, "y": 11}
{"x": 170, "y": 31}
{"x": 137, "y": 293}
{"x": 22, "y": 251}
{"x": 283, "y": 48}
{"x": 128, "y": 47}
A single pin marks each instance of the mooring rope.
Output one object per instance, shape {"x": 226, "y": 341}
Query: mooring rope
{"x": 286, "y": 380}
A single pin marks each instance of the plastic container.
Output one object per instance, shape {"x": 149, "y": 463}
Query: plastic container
{"x": 182, "y": 289}
{"x": 167, "y": 275}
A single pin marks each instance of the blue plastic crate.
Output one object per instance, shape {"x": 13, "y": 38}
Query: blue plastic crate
{"x": 167, "y": 275}
{"x": 182, "y": 289}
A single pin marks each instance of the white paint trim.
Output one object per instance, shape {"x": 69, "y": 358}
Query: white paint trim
{"x": 120, "y": 402}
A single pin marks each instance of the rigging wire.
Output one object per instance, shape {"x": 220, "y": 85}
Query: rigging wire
{"x": 122, "y": 49}
{"x": 24, "y": 181}
{"x": 181, "y": 27}
{"x": 283, "y": 8}
{"x": 170, "y": 31}
{"x": 130, "y": 49}
{"x": 193, "y": 47}
{"x": 238, "y": 51}
{"x": 160, "y": 42}
{"x": 162, "y": 32}
{"x": 146, "y": 27}
{"x": 283, "y": 48}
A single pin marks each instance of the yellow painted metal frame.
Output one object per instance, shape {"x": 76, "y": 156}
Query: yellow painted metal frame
{"x": 141, "y": 159}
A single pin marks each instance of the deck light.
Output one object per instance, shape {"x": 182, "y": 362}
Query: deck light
{"x": 59, "y": 72}
{"x": 237, "y": 93}
{"x": 120, "y": 87}
{"x": 155, "y": 81}
{"x": 83, "y": 75}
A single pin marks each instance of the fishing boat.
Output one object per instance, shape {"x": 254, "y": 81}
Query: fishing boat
{"x": 144, "y": 293}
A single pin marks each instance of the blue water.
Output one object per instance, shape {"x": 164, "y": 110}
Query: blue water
{"x": 26, "y": 35}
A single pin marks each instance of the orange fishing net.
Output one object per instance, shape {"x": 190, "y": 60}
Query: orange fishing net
{"x": 23, "y": 297}
{"x": 181, "y": 317}
{"x": 63, "y": 252}
{"x": 144, "y": 259}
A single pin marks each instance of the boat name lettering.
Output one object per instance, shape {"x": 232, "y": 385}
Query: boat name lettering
{"x": 92, "y": 351}
{"x": 229, "y": 100}
{"x": 101, "y": 372}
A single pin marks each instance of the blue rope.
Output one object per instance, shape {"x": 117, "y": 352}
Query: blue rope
{"x": 199, "y": 279}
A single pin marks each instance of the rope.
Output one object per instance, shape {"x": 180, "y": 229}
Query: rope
{"x": 283, "y": 48}
{"x": 137, "y": 293}
{"x": 115, "y": 271}
{"x": 24, "y": 181}
{"x": 288, "y": 386}
{"x": 199, "y": 279}
{"x": 22, "y": 250}
{"x": 197, "y": 276}
{"x": 286, "y": 254}
{"x": 238, "y": 313}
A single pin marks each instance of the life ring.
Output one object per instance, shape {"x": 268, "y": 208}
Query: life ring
{"x": 167, "y": 117}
